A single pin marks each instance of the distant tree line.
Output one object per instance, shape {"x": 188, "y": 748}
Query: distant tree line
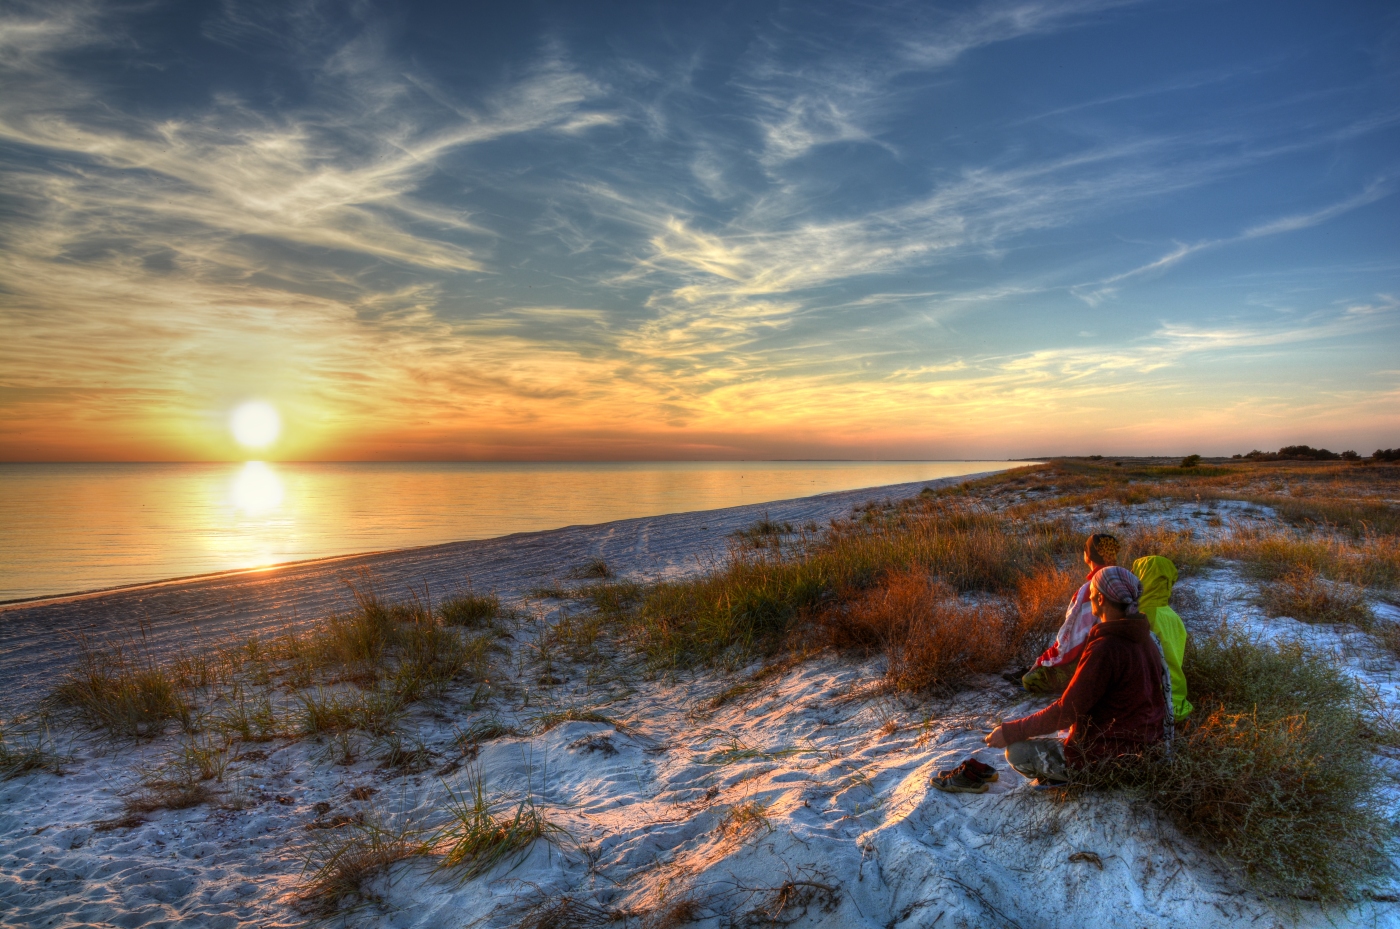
{"x": 1308, "y": 453}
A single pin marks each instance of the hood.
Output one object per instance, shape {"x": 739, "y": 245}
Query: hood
{"x": 1134, "y": 628}
{"x": 1158, "y": 575}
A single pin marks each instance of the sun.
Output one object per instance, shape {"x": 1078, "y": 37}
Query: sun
{"x": 255, "y": 424}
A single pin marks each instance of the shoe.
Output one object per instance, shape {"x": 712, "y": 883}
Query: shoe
{"x": 975, "y": 770}
{"x": 956, "y": 782}
{"x": 1015, "y": 676}
{"x": 1044, "y": 783}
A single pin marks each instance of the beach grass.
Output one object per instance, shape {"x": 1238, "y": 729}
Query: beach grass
{"x": 123, "y": 692}
{"x": 1274, "y": 771}
{"x": 475, "y": 838}
{"x": 343, "y": 866}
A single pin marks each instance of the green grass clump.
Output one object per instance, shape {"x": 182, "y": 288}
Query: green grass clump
{"x": 471, "y": 610}
{"x": 374, "y": 712}
{"x": 124, "y": 695}
{"x": 1275, "y": 770}
{"x": 476, "y": 839}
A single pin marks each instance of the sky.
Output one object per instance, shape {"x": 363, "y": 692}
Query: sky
{"x": 536, "y": 230}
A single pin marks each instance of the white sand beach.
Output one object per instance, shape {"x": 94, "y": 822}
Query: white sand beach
{"x": 801, "y": 800}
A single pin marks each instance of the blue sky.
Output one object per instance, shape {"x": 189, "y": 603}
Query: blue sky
{"x": 549, "y": 230}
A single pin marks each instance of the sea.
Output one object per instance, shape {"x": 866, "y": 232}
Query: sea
{"x": 67, "y": 528}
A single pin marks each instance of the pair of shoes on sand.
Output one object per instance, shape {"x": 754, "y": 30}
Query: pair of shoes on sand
{"x": 970, "y": 777}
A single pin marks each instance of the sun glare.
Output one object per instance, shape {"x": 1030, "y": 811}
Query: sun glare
{"x": 257, "y": 489}
{"x": 255, "y": 424}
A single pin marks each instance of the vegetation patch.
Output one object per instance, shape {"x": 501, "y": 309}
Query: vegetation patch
{"x": 471, "y": 610}
{"x": 476, "y": 839}
{"x": 547, "y": 721}
{"x": 28, "y": 749}
{"x": 343, "y": 866}
{"x": 1304, "y": 595}
{"x": 1275, "y": 771}
{"x": 121, "y": 692}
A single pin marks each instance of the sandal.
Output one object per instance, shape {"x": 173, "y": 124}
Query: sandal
{"x": 974, "y": 770}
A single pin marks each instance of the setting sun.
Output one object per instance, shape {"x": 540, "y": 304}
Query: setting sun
{"x": 255, "y": 425}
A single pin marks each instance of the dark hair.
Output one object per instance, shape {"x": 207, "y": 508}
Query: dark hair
{"x": 1102, "y": 548}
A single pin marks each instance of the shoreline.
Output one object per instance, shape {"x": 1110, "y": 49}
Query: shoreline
{"x": 37, "y": 636}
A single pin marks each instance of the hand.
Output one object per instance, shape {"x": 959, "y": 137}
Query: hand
{"x": 996, "y": 738}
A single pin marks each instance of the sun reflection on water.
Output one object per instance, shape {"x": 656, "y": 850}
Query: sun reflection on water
{"x": 256, "y": 489}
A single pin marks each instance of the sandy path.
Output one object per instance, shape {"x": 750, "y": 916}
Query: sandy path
{"x": 36, "y": 639}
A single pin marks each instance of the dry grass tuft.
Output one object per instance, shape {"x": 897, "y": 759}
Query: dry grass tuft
{"x": 593, "y": 569}
{"x": 790, "y": 902}
{"x": 745, "y": 821}
{"x": 1303, "y": 595}
{"x": 547, "y": 721}
{"x": 167, "y": 793}
{"x": 26, "y": 749}
{"x": 471, "y": 610}
{"x": 675, "y": 914}
{"x": 121, "y": 693}
{"x": 475, "y": 839}
{"x": 355, "y": 855}
{"x": 572, "y": 913}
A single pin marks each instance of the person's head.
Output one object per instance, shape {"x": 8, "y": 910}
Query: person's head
{"x": 1100, "y": 551}
{"x": 1114, "y": 593}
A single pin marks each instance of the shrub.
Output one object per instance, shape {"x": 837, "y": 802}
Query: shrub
{"x": 1041, "y": 599}
{"x": 933, "y": 639}
{"x": 1190, "y": 461}
{"x": 1274, "y": 770}
{"x": 1302, "y": 594}
{"x": 756, "y": 599}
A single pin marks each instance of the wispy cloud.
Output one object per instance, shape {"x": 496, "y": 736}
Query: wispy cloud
{"x": 1095, "y": 293}
{"x": 605, "y": 244}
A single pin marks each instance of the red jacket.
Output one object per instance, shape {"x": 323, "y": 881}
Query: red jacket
{"x": 1114, "y": 705}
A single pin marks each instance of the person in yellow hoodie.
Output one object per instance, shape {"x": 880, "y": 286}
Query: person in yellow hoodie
{"x": 1158, "y": 575}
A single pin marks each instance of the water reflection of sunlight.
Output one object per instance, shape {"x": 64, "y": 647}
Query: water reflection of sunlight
{"x": 257, "y": 489}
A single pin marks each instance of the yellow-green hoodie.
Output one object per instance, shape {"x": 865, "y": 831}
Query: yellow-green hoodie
{"x": 1158, "y": 575}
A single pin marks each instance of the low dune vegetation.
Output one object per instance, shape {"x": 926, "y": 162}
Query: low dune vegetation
{"x": 1275, "y": 771}
{"x": 948, "y": 590}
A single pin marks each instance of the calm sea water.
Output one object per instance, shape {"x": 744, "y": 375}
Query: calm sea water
{"x": 73, "y": 527}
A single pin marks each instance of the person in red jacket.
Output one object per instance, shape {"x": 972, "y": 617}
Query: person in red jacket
{"x": 1116, "y": 703}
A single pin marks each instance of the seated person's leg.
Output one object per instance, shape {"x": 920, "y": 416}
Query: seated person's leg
{"x": 1051, "y": 680}
{"x": 1039, "y": 758}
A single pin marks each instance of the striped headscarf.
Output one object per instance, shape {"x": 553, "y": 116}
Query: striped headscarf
{"x": 1120, "y": 587}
